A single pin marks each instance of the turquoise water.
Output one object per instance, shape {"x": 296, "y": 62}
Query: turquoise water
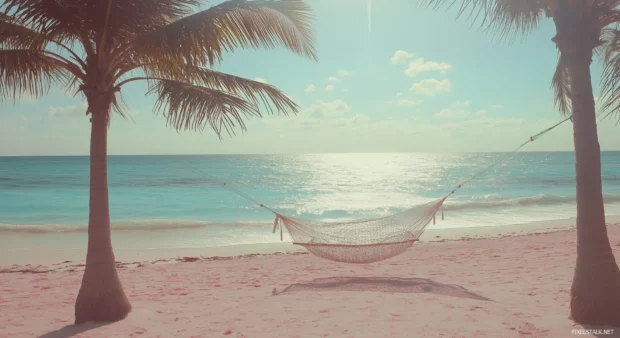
{"x": 174, "y": 194}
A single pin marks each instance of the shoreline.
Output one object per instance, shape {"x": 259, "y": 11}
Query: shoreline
{"x": 41, "y": 261}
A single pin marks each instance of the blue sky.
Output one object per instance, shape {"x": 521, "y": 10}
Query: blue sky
{"x": 391, "y": 77}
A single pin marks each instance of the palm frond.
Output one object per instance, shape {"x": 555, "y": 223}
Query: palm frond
{"x": 606, "y": 12}
{"x": 29, "y": 71}
{"x": 561, "y": 86}
{"x": 14, "y": 36}
{"x": 607, "y": 39}
{"x": 119, "y": 106}
{"x": 253, "y": 91}
{"x": 191, "y": 107}
{"x": 203, "y": 37}
{"x": 502, "y": 17}
{"x": 126, "y": 19}
{"x": 61, "y": 20}
{"x": 611, "y": 37}
{"x": 610, "y": 81}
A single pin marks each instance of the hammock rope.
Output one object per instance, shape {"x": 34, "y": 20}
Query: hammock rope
{"x": 373, "y": 240}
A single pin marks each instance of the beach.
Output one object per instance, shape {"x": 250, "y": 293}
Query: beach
{"x": 509, "y": 284}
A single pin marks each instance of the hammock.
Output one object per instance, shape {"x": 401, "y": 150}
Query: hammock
{"x": 360, "y": 242}
{"x": 367, "y": 241}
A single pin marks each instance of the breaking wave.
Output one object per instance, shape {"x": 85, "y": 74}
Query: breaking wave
{"x": 483, "y": 204}
{"x": 532, "y": 201}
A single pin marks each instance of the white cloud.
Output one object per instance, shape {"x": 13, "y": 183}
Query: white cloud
{"x": 260, "y": 79}
{"x": 353, "y": 121}
{"x": 321, "y": 109}
{"x": 322, "y": 114}
{"x": 404, "y": 102}
{"x": 330, "y": 88}
{"x": 456, "y": 110}
{"x": 497, "y": 107}
{"x": 67, "y": 111}
{"x": 453, "y": 113}
{"x": 431, "y": 87}
{"x": 459, "y": 110}
{"x": 461, "y": 104}
{"x": 344, "y": 90}
{"x": 399, "y": 94}
{"x": 310, "y": 89}
{"x": 419, "y": 66}
{"x": 333, "y": 79}
{"x": 343, "y": 72}
{"x": 486, "y": 123}
{"x": 400, "y": 57}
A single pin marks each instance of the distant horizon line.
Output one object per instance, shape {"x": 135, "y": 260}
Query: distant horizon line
{"x": 316, "y": 153}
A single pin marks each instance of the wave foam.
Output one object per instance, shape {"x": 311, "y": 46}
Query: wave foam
{"x": 537, "y": 200}
{"x": 146, "y": 225}
{"x": 487, "y": 202}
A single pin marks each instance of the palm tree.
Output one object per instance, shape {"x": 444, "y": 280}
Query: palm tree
{"x": 98, "y": 46}
{"x": 581, "y": 27}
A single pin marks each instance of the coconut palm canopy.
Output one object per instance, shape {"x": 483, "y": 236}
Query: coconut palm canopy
{"x": 96, "y": 47}
{"x": 103, "y": 45}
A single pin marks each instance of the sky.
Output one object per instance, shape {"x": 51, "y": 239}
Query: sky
{"x": 391, "y": 77}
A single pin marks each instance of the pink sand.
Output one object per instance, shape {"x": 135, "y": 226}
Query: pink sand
{"x": 507, "y": 287}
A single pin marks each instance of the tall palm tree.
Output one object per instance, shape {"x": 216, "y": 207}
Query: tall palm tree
{"x": 581, "y": 27}
{"x": 98, "y": 46}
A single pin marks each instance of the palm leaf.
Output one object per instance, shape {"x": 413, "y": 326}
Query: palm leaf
{"x": 191, "y": 107}
{"x": 606, "y": 12}
{"x": 29, "y": 71}
{"x": 61, "y": 20}
{"x": 607, "y": 38}
{"x": 611, "y": 37}
{"x": 203, "y": 37}
{"x": 502, "y": 17}
{"x": 561, "y": 85}
{"x": 252, "y": 91}
{"x": 130, "y": 18}
{"x": 610, "y": 81}
{"x": 13, "y": 36}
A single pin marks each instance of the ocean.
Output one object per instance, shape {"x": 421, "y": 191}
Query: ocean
{"x": 172, "y": 202}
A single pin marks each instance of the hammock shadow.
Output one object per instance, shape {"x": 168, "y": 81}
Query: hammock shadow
{"x": 382, "y": 284}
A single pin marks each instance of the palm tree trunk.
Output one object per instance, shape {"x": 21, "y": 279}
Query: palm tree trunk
{"x": 101, "y": 296}
{"x": 595, "y": 293}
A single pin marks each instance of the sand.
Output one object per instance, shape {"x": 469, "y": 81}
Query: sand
{"x": 502, "y": 287}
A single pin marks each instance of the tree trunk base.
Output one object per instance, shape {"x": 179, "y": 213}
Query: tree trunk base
{"x": 599, "y": 312}
{"x": 101, "y": 297}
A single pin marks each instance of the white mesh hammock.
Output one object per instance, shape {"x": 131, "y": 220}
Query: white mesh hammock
{"x": 367, "y": 241}
{"x": 360, "y": 242}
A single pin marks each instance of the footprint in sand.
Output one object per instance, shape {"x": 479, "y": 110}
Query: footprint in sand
{"x": 528, "y": 328}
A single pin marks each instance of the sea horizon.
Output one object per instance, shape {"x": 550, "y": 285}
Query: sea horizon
{"x": 319, "y": 153}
